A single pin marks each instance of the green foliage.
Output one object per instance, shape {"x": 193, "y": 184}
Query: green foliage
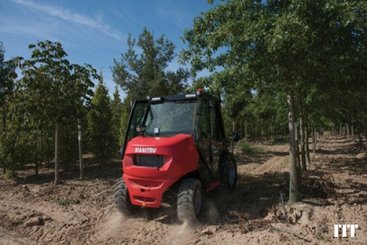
{"x": 17, "y": 148}
{"x": 7, "y": 80}
{"x": 117, "y": 110}
{"x": 69, "y": 144}
{"x": 125, "y": 113}
{"x": 142, "y": 70}
{"x": 308, "y": 47}
{"x": 143, "y": 74}
{"x": 100, "y": 125}
{"x": 51, "y": 87}
{"x": 51, "y": 92}
{"x": 7, "y": 76}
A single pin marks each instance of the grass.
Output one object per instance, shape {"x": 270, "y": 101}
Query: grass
{"x": 246, "y": 148}
{"x": 66, "y": 201}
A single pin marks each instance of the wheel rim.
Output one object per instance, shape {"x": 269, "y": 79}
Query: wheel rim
{"x": 231, "y": 174}
{"x": 197, "y": 202}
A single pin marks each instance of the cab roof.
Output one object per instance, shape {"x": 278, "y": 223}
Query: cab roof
{"x": 181, "y": 97}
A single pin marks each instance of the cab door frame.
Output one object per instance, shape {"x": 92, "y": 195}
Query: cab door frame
{"x": 131, "y": 128}
{"x": 217, "y": 136}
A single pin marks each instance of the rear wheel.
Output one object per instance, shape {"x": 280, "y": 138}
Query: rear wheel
{"x": 189, "y": 200}
{"x": 230, "y": 173}
{"x": 122, "y": 199}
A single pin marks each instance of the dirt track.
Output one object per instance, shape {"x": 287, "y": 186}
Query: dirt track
{"x": 78, "y": 212}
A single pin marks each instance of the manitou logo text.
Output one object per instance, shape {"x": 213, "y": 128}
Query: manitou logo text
{"x": 344, "y": 230}
{"x": 145, "y": 150}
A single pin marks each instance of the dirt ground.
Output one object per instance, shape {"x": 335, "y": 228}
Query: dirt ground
{"x": 33, "y": 211}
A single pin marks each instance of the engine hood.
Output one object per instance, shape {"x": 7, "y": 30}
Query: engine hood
{"x": 178, "y": 153}
{"x": 165, "y": 146}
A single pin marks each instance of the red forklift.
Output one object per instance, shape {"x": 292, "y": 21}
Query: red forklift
{"x": 174, "y": 142}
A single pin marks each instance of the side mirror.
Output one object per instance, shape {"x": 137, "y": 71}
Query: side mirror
{"x": 121, "y": 150}
{"x": 141, "y": 129}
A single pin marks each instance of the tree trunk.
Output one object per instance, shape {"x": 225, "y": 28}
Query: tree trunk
{"x": 4, "y": 121}
{"x": 271, "y": 131}
{"x": 261, "y": 131}
{"x": 352, "y": 131}
{"x": 298, "y": 156}
{"x": 36, "y": 153}
{"x": 307, "y": 136}
{"x": 36, "y": 162}
{"x": 81, "y": 168}
{"x": 57, "y": 180}
{"x": 360, "y": 140}
{"x": 314, "y": 139}
{"x": 3, "y": 132}
{"x": 297, "y": 144}
{"x": 341, "y": 130}
{"x": 233, "y": 133}
{"x": 293, "y": 172}
{"x": 246, "y": 131}
{"x": 303, "y": 145}
{"x": 347, "y": 127}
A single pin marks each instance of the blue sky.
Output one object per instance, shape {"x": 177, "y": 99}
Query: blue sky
{"x": 93, "y": 32}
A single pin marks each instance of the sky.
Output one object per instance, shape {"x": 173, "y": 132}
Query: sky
{"x": 93, "y": 32}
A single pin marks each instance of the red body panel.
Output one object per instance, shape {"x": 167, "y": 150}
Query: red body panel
{"x": 146, "y": 185}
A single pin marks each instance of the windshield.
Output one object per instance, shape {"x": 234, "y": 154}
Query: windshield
{"x": 171, "y": 117}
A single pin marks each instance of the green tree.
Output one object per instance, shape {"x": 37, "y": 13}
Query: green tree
{"x": 79, "y": 92}
{"x": 125, "y": 113}
{"x": 143, "y": 74}
{"x": 100, "y": 125}
{"x": 7, "y": 78}
{"x": 290, "y": 47}
{"x": 117, "y": 108}
{"x": 177, "y": 80}
{"x": 52, "y": 91}
{"x": 143, "y": 71}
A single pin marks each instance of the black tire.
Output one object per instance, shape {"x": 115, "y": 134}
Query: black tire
{"x": 122, "y": 199}
{"x": 189, "y": 200}
{"x": 229, "y": 172}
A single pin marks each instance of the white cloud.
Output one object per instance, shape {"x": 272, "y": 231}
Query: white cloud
{"x": 171, "y": 11}
{"x": 17, "y": 26}
{"x": 73, "y": 17}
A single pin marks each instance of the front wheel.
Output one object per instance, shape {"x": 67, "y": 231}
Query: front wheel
{"x": 189, "y": 200}
{"x": 122, "y": 199}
